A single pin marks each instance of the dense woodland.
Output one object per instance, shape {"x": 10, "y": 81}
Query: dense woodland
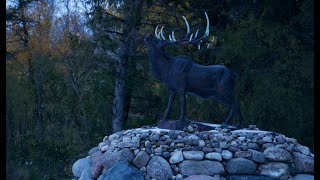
{"x": 78, "y": 70}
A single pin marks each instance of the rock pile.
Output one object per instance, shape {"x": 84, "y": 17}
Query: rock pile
{"x": 154, "y": 153}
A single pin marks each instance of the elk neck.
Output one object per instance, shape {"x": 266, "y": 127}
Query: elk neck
{"x": 159, "y": 62}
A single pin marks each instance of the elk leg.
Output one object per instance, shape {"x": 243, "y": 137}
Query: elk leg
{"x": 239, "y": 124}
{"x": 171, "y": 99}
{"x": 231, "y": 112}
{"x": 182, "y": 109}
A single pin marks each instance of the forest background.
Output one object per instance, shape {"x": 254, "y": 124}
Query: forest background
{"x": 74, "y": 68}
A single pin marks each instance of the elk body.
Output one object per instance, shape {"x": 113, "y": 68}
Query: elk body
{"x": 182, "y": 76}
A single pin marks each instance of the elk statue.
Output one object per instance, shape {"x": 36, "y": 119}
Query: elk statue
{"x": 182, "y": 76}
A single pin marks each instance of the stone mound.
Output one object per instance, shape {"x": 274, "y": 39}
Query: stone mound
{"x": 213, "y": 154}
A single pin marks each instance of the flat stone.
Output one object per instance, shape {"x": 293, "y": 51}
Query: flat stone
{"x": 248, "y": 177}
{"x": 240, "y": 166}
{"x": 176, "y": 157}
{"x": 277, "y": 154}
{"x": 276, "y": 170}
{"x": 253, "y": 146}
{"x": 141, "y": 159}
{"x": 193, "y": 155}
{"x": 303, "y": 177}
{"x": 201, "y": 177}
{"x": 267, "y": 139}
{"x": 214, "y": 156}
{"x": 159, "y": 168}
{"x": 242, "y": 154}
{"x": 206, "y": 167}
{"x": 226, "y": 154}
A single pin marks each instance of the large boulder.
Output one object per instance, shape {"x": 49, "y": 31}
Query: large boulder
{"x": 303, "y": 163}
{"x": 106, "y": 160}
{"x": 122, "y": 170}
{"x": 86, "y": 175}
{"x": 277, "y": 154}
{"x": 206, "y": 167}
{"x": 81, "y": 165}
{"x": 276, "y": 170}
{"x": 159, "y": 168}
{"x": 240, "y": 166}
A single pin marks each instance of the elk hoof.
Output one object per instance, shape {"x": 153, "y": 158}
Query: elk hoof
{"x": 239, "y": 126}
{"x": 224, "y": 125}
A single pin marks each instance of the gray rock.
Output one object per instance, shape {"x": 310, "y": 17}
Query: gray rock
{"x": 303, "y": 177}
{"x": 257, "y": 156}
{"x": 193, "y": 155}
{"x": 201, "y": 143}
{"x": 280, "y": 139}
{"x": 226, "y": 154}
{"x": 155, "y": 137}
{"x": 303, "y": 163}
{"x": 277, "y": 154}
{"x": 240, "y": 166}
{"x": 106, "y": 160}
{"x": 179, "y": 177}
{"x": 176, "y": 157}
{"x": 158, "y": 150}
{"x": 223, "y": 145}
{"x": 86, "y": 175}
{"x": 267, "y": 139}
{"x": 303, "y": 149}
{"x": 93, "y": 150}
{"x": 266, "y": 145}
{"x": 122, "y": 170}
{"x": 113, "y": 137}
{"x": 193, "y": 137}
{"x": 147, "y": 144}
{"x": 81, "y": 165}
{"x": 159, "y": 168}
{"x": 166, "y": 154}
{"x": 206, "y": 167}
{"x": 141, "y": 159}
{"x": 214, "y": 156}
{"x": 248, "y": 177}
{"x": 275, "y": 170}
{"x": 201, "y": 177}
{"x": 253, "y": 146}
{"x": 242, "y": 154}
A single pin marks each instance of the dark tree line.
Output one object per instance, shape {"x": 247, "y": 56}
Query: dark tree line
{"x": 76, "y": 76}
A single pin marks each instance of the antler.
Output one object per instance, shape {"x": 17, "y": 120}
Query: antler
{"x": 192, "y": 39}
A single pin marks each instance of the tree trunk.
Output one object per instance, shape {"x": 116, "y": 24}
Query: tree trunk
{"x": 122, "y": 91}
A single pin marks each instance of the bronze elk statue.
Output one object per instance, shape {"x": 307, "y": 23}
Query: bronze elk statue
{"x": 182, "y": 76}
